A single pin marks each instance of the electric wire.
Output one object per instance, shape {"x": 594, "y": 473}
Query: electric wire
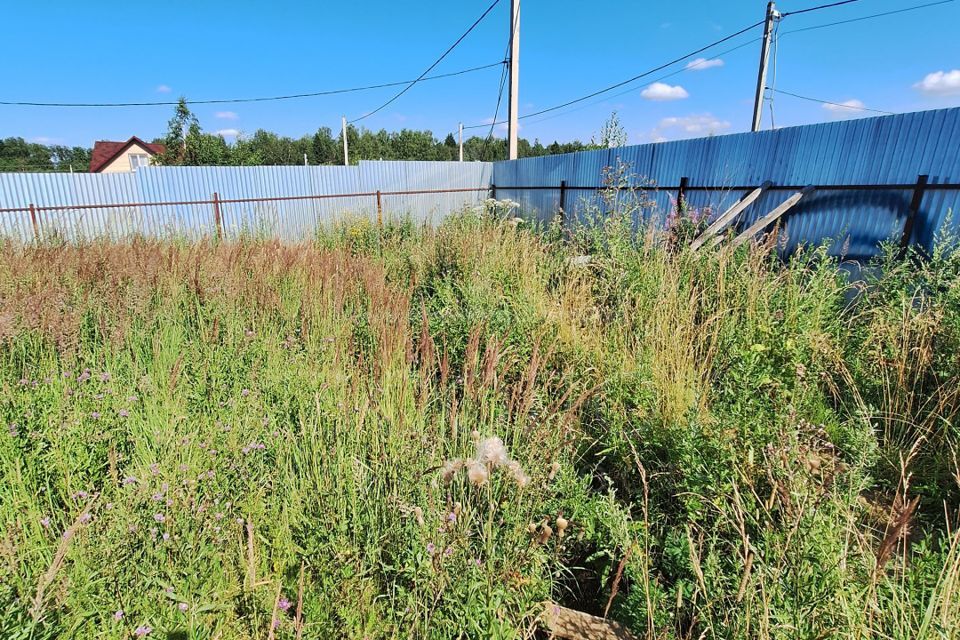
{"x": 835, "y": 104}
{"x": 868, "y": 17}
{"x": 240, "y": 100}
{"x": 818, "y": 8}
{"x": 431, "y": 67}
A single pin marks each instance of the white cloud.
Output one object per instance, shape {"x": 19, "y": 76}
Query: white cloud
{"x": 940, "y": 83}
{"x": 163, "y": 89}
{"x": 228, "y": 133}
{"x": 692, "y": 126}
{"x": 846, "y": 108}
{"x": 226, "y": 115}
{"x": 700, "y": 64}
{"x": 660, "y": 91}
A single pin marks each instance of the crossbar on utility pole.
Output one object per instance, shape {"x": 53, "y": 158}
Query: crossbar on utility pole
{"x": 772, "y": 14}
{"x": 512, "y": 119}
{"x": 343, "y": 129}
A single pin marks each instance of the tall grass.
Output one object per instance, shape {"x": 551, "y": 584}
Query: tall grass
{"x": 257, "y": 440}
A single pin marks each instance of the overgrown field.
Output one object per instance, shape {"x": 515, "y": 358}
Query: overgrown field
{"x": 430, "y": 432}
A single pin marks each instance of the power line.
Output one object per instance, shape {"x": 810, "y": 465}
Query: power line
{"x": 822, "y": 6}
{"x": 239, "y": 100}
{"x": 496, "y": 111}
{"x": 430, "y": 68}
{"x": 868, "y": 17}
{"x": 835, "y": 104}
{"x": 636, "y": 77}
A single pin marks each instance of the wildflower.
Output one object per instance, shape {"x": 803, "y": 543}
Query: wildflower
{"x": 448, "y": 552}
{"x": 80, "y": 495}
{"x": 123, "y": 413}
{"x": 157, "y": 497}
{"x": 142, "y": 630}
{"x": 131, "y": 399}
{"x": 554, "y": 469}
{"x": 245, "y": 392}
{"x": 45, "y": 522}
{"x": 129, "y": 480}
{"x": 165, "y": 536}
{"x": 562, "y": 524}
{"x": 159, "y": 517}
{"x": 118, "y": 614}
{"x": 85, "y": 517}
{"x": 95, "y": 415}
{"x": 521, "y": 478}
{"x": 283, "y": 604}
{"x": 83, "y": 377}
{"x": 109, "y": 506}
{"x": 12, "y": 428}
{"x": 545, "y": 534}
{"x": 477, "y": 473}
{"x": 431, "y": 548}
{"x": 183, "y": 606}
{"x": 450, "y": 468}
{"x": 451, "y": 517}
{"x": 276, "y": 623}
{"x": 155, "y": 468}
{"x": 104, "y": 377}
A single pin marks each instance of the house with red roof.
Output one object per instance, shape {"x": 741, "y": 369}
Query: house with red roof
{"x": 122, "y": 157}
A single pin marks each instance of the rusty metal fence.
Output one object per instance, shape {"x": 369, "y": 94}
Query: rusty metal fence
{"x": 223, "y": 218}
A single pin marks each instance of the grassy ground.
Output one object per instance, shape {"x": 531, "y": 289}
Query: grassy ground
{"x": 429, "y": 432}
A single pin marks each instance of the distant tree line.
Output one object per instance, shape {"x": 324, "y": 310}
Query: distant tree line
{"x": 188, "y": 144}
{"x": 16, "y": 154}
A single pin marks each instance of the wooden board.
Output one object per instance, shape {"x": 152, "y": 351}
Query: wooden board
{"x": 562, "y": 622}
{"x": 728, "y": 216}
{"x": 771, "y": 217}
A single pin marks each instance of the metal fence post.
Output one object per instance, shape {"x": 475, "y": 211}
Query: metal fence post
{"x": 493, "y": 191}
{"x": 563, "y": 201}
{"x": 33, "y": 221}
{"x": 682, "y": 193}
{"x": 379, "y": 210}
{"x": 912, "y": 212}
{"x": 216, "y": 215}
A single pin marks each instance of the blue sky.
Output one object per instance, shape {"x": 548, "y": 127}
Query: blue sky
{"x": 145, "y": 51}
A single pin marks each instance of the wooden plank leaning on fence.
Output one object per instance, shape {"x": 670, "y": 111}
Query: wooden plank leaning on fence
{"x": 771, "y": 217}
{"x": 569, "y": 624}
{"x": 727, "y": 217}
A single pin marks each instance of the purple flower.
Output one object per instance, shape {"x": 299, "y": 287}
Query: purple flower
{"x": 85, "y": 517}
{"x": 245, "y": 392}
{"x": 154, "y": 468}
{"x": 431, "y": 548}
{"x": 129, "y": 480}
{"x": 83, "y": 377}
{"x": 118, "y": 614}
{"x": 157, "y": 497}
{"x": 131, "y": 399}
{"x": 448, "y": 551}
{"x": 166, "y": 536}
{"x": 451, "y": 517}
{"x": 283, "y": 604}
{"x": 183, "y": 606}
{"x": 95, "y": 415}
{"x": 80, "y": 495}
{"x": 123, "y": 413}
{"x": 142, "y": 630}
{"x": 159, "y": 517}
{"x": 104, "y": 377}
{"x": 276, "y": 623}
{"x": 45, "y": 522}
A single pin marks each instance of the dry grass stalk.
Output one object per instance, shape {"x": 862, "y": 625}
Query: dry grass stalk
{"x": 36, "y": 609}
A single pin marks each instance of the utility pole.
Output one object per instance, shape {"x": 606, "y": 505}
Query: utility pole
{"x": 772, "y": 14}
{"x": 514, "y": 77}
{"x": 461, "y": 142}
{"x": 343, "y": 129}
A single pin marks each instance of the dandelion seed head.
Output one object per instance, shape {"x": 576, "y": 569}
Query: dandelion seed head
{"x": 477, "y": 473}
{"x": 492, "y": 452}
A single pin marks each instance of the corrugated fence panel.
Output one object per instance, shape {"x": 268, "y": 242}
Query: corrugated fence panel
{"x": 388, "y": 176}
{"x": 184, "y": 198}
{"x": 884, "y": 150}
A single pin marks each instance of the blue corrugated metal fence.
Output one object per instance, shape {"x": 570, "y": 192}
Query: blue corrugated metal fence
{"x": 883, "y": 150}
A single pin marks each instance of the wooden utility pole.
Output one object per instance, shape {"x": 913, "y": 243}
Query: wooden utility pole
{"x": 514, "y": 77}
{"x": 461, "y": 142}
{"x": 772, "y": 14}
{"x": 346, "y": 157}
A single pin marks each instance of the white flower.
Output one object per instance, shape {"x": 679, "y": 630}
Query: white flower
{"x": 477, "y": 473}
